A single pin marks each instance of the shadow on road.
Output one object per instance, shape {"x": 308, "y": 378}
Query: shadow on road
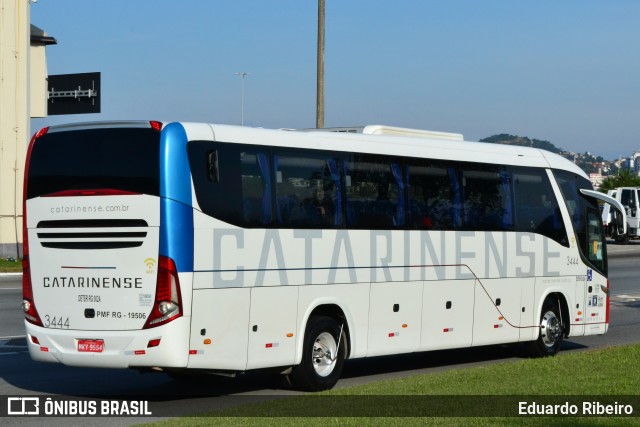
{"x": 19, "y": 371}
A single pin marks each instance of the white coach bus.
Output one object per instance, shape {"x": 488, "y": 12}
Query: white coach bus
{"x": 183, "y": 246}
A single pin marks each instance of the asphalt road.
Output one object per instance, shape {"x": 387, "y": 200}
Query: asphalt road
{"x": 19, "y": 375}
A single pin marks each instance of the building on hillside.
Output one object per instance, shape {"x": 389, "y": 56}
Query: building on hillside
{"x": 23, "y": 94}
{"x": 596, "y": 179}
{"x": 635, "y": 165}
{"x": 627, "y": 163}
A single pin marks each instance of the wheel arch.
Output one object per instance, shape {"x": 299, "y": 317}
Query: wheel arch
{"x": 330, "y": 309}
{"x": 559, "y": 296}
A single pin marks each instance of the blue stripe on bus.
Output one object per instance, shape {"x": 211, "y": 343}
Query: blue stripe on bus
{"x": 176, "y": 213}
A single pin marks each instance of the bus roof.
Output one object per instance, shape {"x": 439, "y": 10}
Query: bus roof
{"x": 392, "y": 145}
{"x": 374, "y": 139}
{"x": 102, "y": 125}
{"x": 391, "y": 130}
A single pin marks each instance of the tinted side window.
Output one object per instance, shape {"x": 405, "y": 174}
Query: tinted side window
{"x": 595, "y": 240}
{"x": 232, "y": 182}
{"x": 488, "y": 201}
{"x": 375, "y": 193}
{"x": 537, "y": 210}
{"x": 256, "y": 187}
{"x": 627, "y": 199}
{"x": 308, "y": 191}
{"x": 434, "y": 196}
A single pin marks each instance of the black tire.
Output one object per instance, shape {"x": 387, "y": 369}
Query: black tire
{"x": 321, "y": 367}
{"x": 551, "y": 330}
{"x": 622, "y": 239}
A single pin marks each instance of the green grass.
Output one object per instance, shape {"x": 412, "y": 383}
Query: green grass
{"x": 7, "y": 266}
{"x": 612, "y": 371}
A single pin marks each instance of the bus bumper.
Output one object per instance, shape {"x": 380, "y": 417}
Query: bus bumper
{"x": 120, "y": 349}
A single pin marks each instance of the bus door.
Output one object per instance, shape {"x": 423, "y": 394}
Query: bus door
{"x": 592, "y": 242}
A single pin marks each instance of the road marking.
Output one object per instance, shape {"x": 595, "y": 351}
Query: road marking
{"x": 627, "y": 297}
{"x": 12, "y": 337}
{"x": 9, "y": 347}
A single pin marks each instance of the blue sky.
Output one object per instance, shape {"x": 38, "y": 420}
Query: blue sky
{"x": 564, "y": 71}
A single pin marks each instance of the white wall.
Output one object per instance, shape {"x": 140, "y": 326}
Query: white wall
{"x": 14, "y": 118}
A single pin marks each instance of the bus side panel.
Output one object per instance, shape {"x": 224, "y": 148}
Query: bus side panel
{"x": 352, "y": 299}
{"x": 447, "y": 307}
{"x": 395, "y": 310}
{"x": 596, "y": 304}
{"x": 220, "y": 329}
{"x": 577, "y": 312}
{"x": 496, "y": 316}
{"x": 272, "y": 324}
{"x": 528, "y": 317}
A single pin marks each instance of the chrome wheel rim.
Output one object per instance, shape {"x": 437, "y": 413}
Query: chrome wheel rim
{"x": 550, "y": 329}
{"x": 325, "y": 350}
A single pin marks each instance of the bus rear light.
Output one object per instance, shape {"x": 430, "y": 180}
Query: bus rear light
{"x": 25, "y": 237}
{"x": 28, "y": 306}
{"x": 156, "y": 125}
{"x": 168, "y": 302}
{"x": 153, "y": 343}
{"x": 41, "y": 132}
{"x": 35, "y": 340}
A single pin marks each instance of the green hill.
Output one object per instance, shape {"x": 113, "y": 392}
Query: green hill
{"x": 523, "y": 141}
{"x": 587, "y": 161}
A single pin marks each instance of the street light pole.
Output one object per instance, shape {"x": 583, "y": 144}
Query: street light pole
{"x": 320, "y": 77}
{"x": 242, "y": 75}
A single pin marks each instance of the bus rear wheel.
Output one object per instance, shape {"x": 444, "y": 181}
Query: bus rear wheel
{"x": 551, "y": 330}
{"x": 323, "y": 356}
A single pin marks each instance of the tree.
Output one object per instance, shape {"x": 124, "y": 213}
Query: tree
{"x": 624, "y": 179}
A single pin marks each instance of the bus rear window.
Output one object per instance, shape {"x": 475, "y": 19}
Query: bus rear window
{"x": 120, "y": 158}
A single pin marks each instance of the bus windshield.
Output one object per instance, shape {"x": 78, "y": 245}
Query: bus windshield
{"x": 125, "y": 159}
{"x": 585, "y": 216}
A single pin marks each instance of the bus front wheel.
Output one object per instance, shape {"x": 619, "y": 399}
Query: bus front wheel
{"x": 551, "y": 330}
{"x": 323, "y": 355}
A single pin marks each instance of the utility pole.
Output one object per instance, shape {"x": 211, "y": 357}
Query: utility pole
{"x": 242, "y": 75}
{"x": 320, "y": 77}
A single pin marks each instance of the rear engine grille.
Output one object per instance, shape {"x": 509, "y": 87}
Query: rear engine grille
{"x": 92, "y": 233}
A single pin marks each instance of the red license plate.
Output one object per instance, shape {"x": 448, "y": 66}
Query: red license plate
{"x": 90, "y": 346}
